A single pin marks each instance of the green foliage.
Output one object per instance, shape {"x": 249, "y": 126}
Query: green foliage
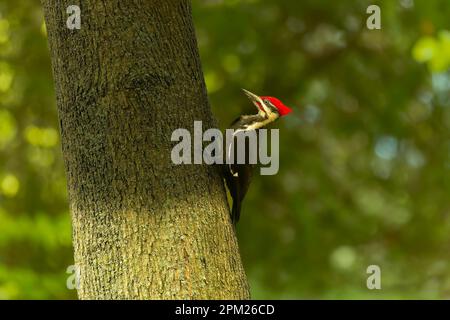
{"x": 364, "y": 169}
{"x": 364, "y": 157}
{"x": 35, "y": 232}
{"x": 434, "y": 51}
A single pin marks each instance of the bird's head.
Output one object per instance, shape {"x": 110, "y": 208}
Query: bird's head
{"x": 264, "y": 103}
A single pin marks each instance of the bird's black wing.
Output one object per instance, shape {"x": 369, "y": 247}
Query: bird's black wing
{"x": 238, "y": 176}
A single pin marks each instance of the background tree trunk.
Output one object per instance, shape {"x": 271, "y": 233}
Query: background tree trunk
{"x": 143, "y": 228}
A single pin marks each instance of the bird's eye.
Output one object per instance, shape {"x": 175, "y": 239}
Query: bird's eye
{"x": 269, "y": 104}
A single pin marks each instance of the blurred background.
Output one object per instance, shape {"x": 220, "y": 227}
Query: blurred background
{"x": 364, "y": 161}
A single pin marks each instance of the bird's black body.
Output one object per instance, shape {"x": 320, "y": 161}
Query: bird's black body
{"x": 238, "y": 176}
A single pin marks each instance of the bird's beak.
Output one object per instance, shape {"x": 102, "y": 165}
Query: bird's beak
{"x": 253, "y": 97}
{"x": 257, "y": 101}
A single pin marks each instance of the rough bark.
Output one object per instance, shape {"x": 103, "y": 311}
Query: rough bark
{"x": 143, "y": 228}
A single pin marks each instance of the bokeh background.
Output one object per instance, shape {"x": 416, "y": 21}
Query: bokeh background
{"x": 365, "y": 159}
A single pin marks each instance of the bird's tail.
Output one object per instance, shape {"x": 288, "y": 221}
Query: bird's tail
{"x": 234, "y": 188}
{"x": 236, "y": 209}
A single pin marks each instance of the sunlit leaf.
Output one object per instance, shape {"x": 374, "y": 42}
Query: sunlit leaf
{"x": 9, "y": 185}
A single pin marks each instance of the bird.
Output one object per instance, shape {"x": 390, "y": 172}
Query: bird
{"x": 238, "y": 176}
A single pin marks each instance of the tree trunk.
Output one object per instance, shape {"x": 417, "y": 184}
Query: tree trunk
{"x": 143, "y": 228}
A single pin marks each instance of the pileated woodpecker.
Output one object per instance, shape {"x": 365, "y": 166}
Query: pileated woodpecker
{"x": 238, "y": 176}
